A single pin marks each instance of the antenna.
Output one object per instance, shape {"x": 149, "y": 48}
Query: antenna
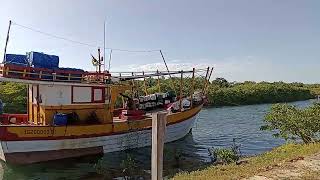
{"x": 104, "y": 45}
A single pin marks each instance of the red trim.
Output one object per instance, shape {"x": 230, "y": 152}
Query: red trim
{"x": 92, "y": 95}
{"x": 73, "y": 102}
{"x": 38, "y": 105}
{"x": 6, "y": 136}
{"x": 32, "y": 103}
{"x": 102, "y": 95}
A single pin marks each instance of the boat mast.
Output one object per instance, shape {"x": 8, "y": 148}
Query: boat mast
{"x": 165, "y": 63}
{"x": 99, "y": 60}
{"x": 7, "y": 40}
{"x": 181, "y": 86}
{"x": 159, "y": 88}
{"x": 144, "y": 84}
{"x": 208, "y": 81}
{"x": 104, "y": 46}
{"x": 205, "y": 80}
{"x": 192, "y": 87}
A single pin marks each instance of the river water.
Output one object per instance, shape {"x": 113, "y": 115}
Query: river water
{"x": 215, "y": 127}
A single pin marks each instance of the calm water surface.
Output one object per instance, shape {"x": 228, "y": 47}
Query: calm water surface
{"x": 215, "y": 127}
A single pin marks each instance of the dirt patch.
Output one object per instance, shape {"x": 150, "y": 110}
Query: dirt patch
{"x": 298, "y": 168}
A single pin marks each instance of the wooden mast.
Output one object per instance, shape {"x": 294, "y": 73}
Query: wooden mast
{"x": 133, "y": 87}
{"x": 159, "y": 88}
{"x": 207, "y": 85}
{"x": 144, "y": 84}
{"x": 7, "y": 41}
{"x": 181, "y": 84}
{"x": 192, "y": 87}
{"x": 205, "y": 80}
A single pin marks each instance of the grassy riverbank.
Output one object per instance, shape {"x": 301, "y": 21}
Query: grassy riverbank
{"x": 257, "y": 164}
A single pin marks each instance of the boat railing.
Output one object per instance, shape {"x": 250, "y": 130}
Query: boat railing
{"x": 44, "y": 74}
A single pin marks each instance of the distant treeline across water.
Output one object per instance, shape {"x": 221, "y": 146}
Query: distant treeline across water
{"x": 220, "y": 92}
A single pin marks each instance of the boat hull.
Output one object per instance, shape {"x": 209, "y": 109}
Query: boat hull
{"x": 31, "y": 151}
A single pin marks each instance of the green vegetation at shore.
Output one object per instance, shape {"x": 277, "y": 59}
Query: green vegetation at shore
{"x": 224, "y": 93}
{"x": 256, "y": 93}
{"x": 220, "y": 92}
{"x": 292, "y": 123}
{"x": 14, "y": 96}
{"x": 254, "y": 165}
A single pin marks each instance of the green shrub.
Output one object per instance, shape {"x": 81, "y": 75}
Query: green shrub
{"x": 225, "y": 155}
{"x": 292, "y": 123}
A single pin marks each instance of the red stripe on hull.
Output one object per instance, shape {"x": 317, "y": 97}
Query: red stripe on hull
{"x": 7, "y": 136}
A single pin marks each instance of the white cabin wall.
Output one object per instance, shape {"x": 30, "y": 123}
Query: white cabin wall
{"x": 55, "y": 95}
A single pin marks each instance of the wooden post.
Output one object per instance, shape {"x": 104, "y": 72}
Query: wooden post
{"x": 181, "y": 84}
{"x": 192, "y": 87}
{"x": 159, "y": 121}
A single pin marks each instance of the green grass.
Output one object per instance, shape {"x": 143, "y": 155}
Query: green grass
{"x": 255, "y": 164}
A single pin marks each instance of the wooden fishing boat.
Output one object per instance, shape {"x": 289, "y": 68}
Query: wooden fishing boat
{"x": 73, "y": 113}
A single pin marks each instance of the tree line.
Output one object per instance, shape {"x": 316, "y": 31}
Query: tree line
{"x": 220, "y": 91}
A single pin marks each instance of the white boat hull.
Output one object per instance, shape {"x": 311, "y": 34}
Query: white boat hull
{"x": 37, "y": 150}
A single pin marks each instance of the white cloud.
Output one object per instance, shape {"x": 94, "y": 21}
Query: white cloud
{"x": 229, "y": 68}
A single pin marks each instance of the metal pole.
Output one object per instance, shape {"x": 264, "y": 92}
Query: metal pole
{"x": 7, "y": 41}
{"x": 104, "y": 46}
{"x": 110, "y": 60}
{"x": 99, "y": 61}
{"x": 159, "y": 121}
{"x": 181, "y": 87}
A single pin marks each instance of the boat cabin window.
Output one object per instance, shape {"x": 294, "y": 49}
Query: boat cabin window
{"x": 81, "y": 94}
{"x": 97, "y": 94}
{"x": 85, "y": 94}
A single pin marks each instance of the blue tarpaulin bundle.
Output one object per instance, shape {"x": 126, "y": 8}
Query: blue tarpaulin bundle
{"x": 16, "y": 59}
{"x": 41, "y": 60}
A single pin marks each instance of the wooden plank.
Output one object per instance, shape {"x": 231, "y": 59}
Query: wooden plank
{"x": 158, "y": 137}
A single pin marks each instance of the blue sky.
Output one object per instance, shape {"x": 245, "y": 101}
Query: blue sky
{"x": 259, "y": 40}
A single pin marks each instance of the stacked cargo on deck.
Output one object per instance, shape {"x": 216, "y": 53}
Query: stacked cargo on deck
{"x": 40, "y": 63}
{"x": 157, "y": 100}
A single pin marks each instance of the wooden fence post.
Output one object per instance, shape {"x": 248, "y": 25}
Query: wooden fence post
{"x": 159, "y": 121}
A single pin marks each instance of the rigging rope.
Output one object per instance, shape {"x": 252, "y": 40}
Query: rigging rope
{"x": 78, "y": 42}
